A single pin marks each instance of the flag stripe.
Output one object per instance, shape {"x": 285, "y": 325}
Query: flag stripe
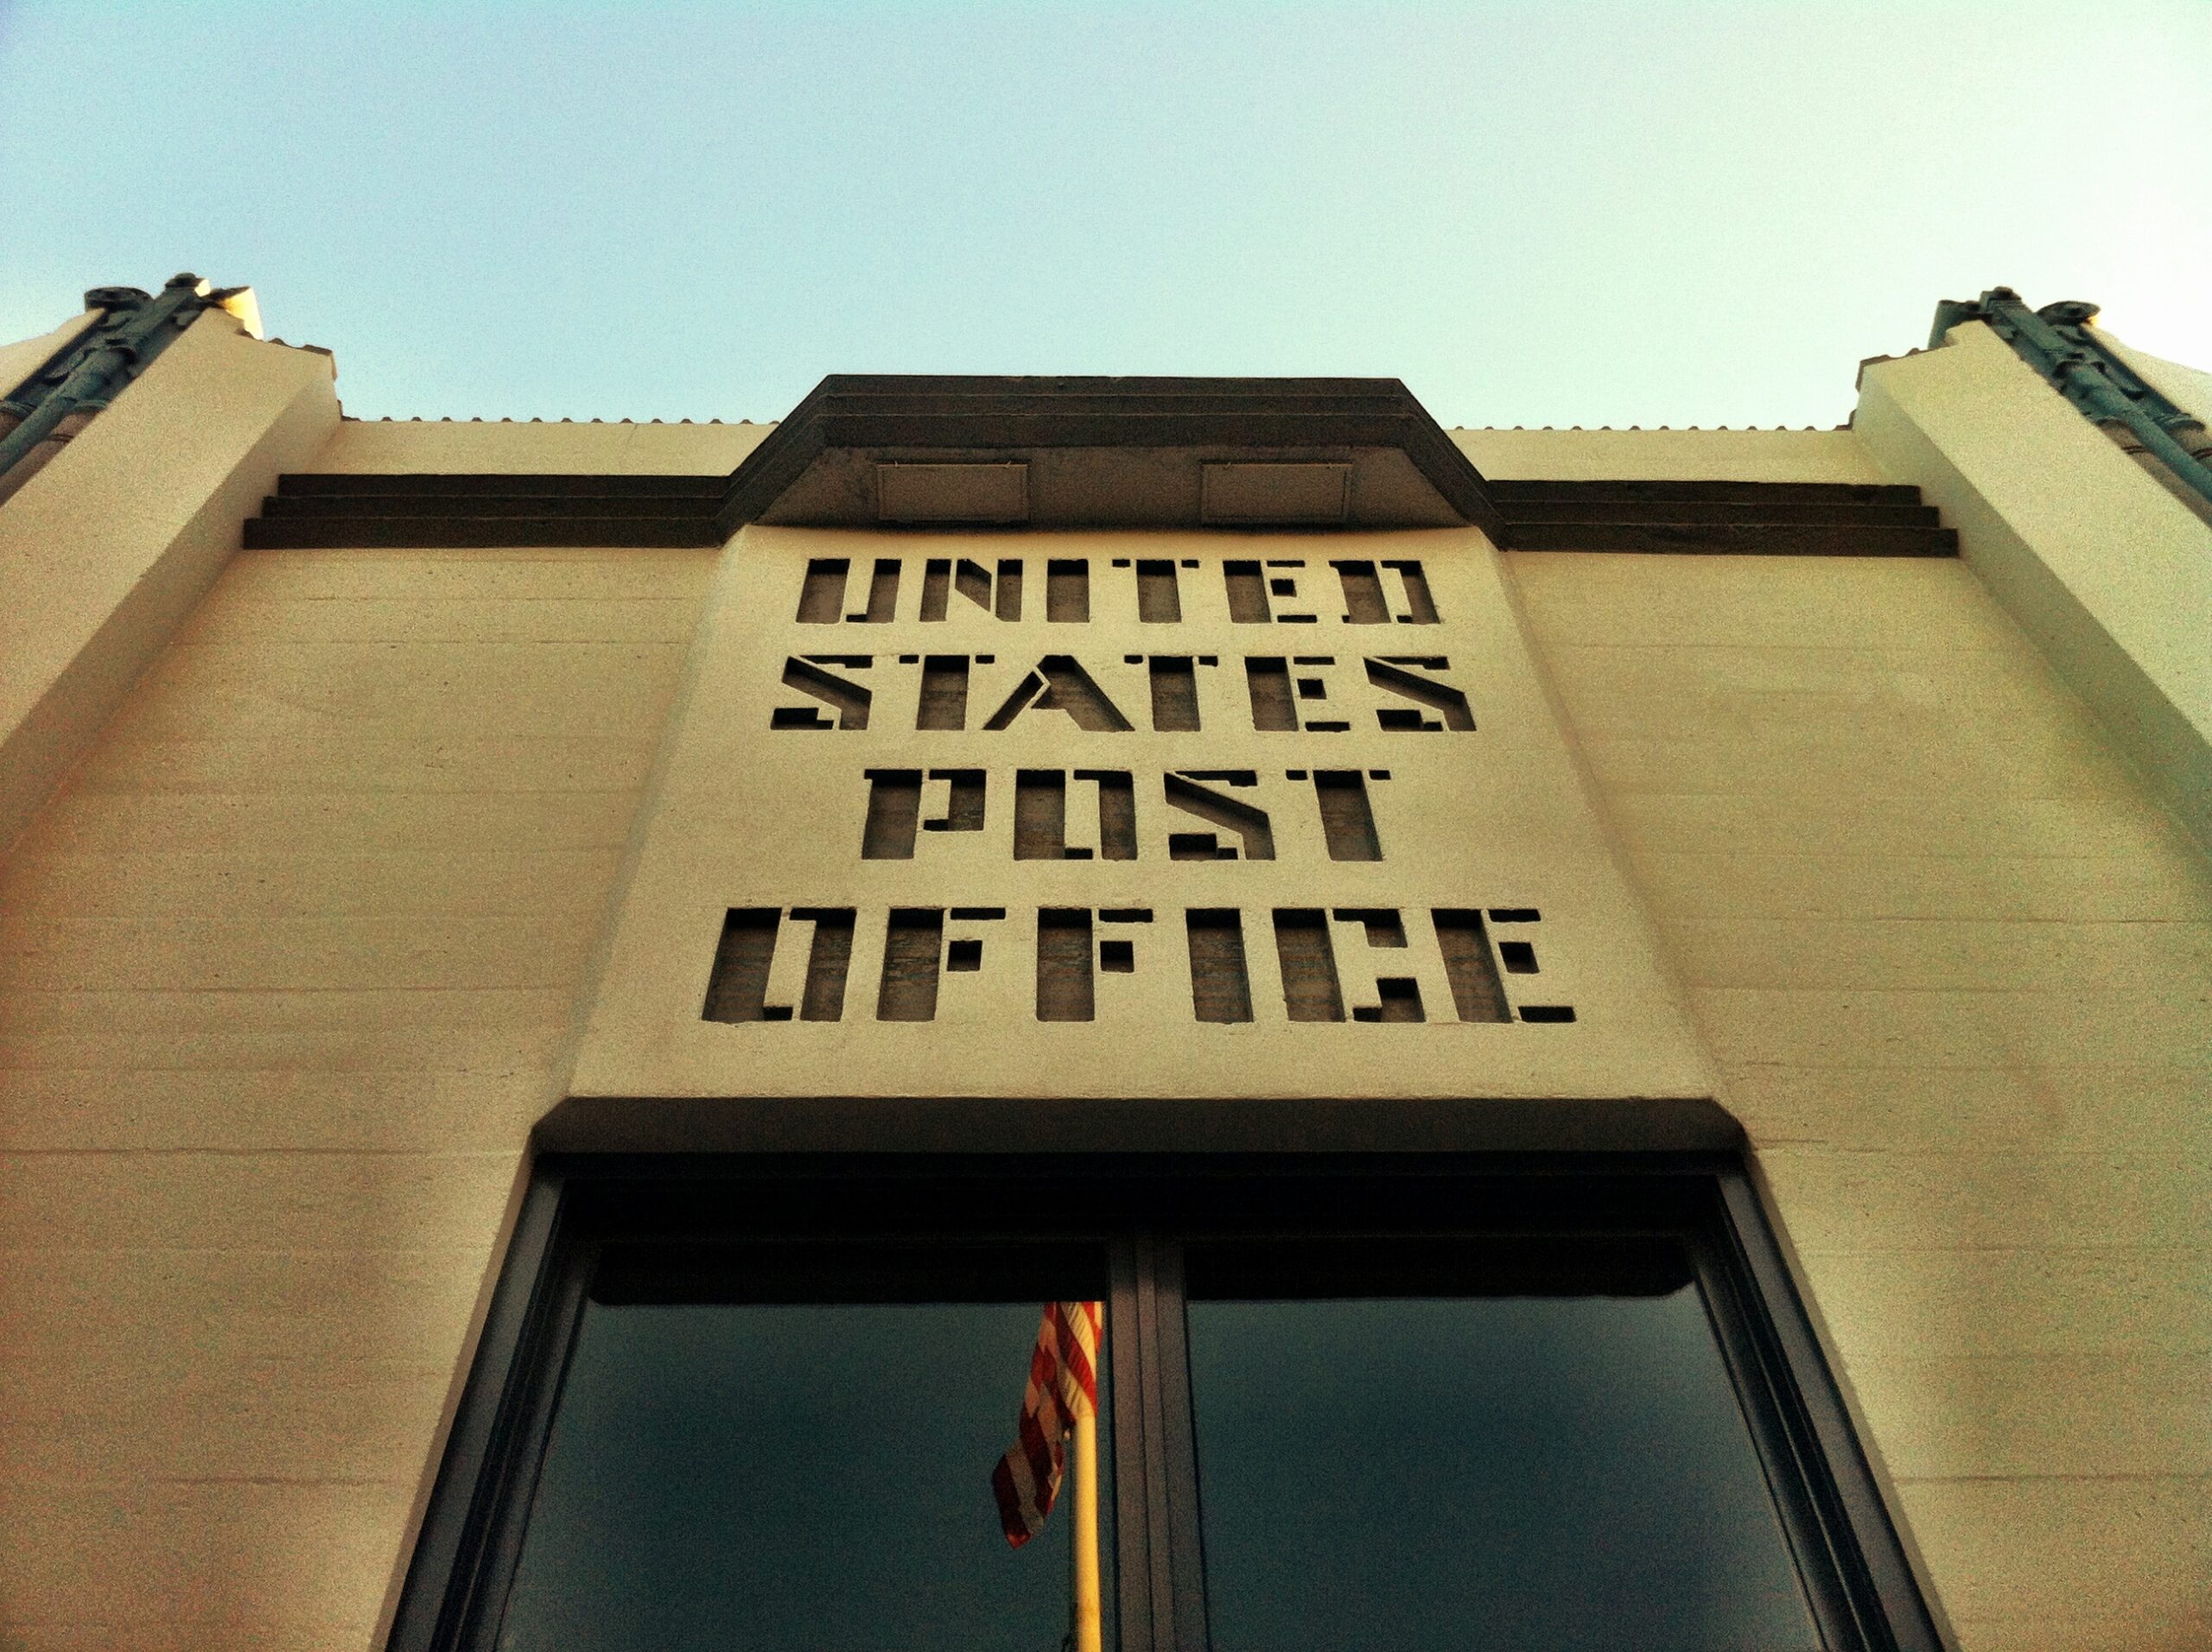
{"x": 1062, "y": 1387}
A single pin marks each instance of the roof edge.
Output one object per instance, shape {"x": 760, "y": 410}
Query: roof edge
{"x": 1006, "y": 418}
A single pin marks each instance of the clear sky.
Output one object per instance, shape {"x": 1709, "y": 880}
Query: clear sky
{"x": 1577, "y": 211}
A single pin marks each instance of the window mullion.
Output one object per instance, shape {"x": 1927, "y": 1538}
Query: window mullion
{"x": 1158, "y": 1557}
{"x": 1830, "y": 1488}
{"x": 1166, "y": 1346}
{"x": 472, "y": 1476}
{"x": 1135, "y": 1523}
{"x": 529, "y": 1427}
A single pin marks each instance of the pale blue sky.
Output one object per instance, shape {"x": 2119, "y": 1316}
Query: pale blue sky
{"x": 1574, "y": 212}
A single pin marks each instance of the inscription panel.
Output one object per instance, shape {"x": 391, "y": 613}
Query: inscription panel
{"x": 989, "y": 814}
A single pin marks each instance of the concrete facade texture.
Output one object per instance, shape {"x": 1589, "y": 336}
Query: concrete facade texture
{"x": 1670, "y": 455}
{"x": 2104, "y": 567}
{"x": 107, "y": 549}
{"x": 288, "y": 972}
{"x": 1956, "y": 966}
{"x": 301, "y": 936}
{"x": 484, "y": 448}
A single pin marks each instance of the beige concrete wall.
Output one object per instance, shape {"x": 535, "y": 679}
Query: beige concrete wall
{"x": 285, "y": 972}
{"x": 504, "y": 446}
{"x": 640, "y": 449}
{"x": 1669, "y": 455}
{"x": 2108, "y": 572}
{"x": 1955, "y": 963}
{"x": 105, "y": 551}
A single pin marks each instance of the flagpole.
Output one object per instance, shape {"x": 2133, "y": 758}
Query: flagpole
{"x": 1082, "y": 1534}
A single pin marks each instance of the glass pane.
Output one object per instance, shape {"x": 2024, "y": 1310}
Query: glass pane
{"x": 1508, "y": 1473}
{"x": 773, "y": 1476}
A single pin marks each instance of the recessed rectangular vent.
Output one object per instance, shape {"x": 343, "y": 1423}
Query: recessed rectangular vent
{"x": 1278, "y": 494}
{"x": 995, "y": 493}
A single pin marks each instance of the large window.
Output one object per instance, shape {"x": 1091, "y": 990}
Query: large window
{"x": 1340, "y": 1407}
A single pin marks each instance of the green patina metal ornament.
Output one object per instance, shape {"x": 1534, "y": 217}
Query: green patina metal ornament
{"x": 93, "y": 369}
{"x": 2059, "y": 342}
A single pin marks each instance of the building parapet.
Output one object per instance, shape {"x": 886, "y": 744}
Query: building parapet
{"x": 93, "y": 367}
{"x": 2060, "y": 342}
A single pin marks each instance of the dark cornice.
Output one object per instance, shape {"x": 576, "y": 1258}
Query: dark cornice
{"x": 1110, "y": 452}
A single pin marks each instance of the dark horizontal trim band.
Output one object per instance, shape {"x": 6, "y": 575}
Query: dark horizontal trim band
{"x": 1772, "y": 511}
{"x": 1102, "y": 453}
{"x": 318, "y": 506}
{"x": 450, "y": 531}
{"x": 1736, "y": 538}
{"x": 1512, "y": 493}
{"x": 460, "y": 484}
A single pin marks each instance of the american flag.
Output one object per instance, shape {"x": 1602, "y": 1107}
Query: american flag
{"x": 1062, "y": 1386}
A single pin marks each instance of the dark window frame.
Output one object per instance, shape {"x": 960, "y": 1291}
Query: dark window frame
{"x": 674, "y": 1211}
